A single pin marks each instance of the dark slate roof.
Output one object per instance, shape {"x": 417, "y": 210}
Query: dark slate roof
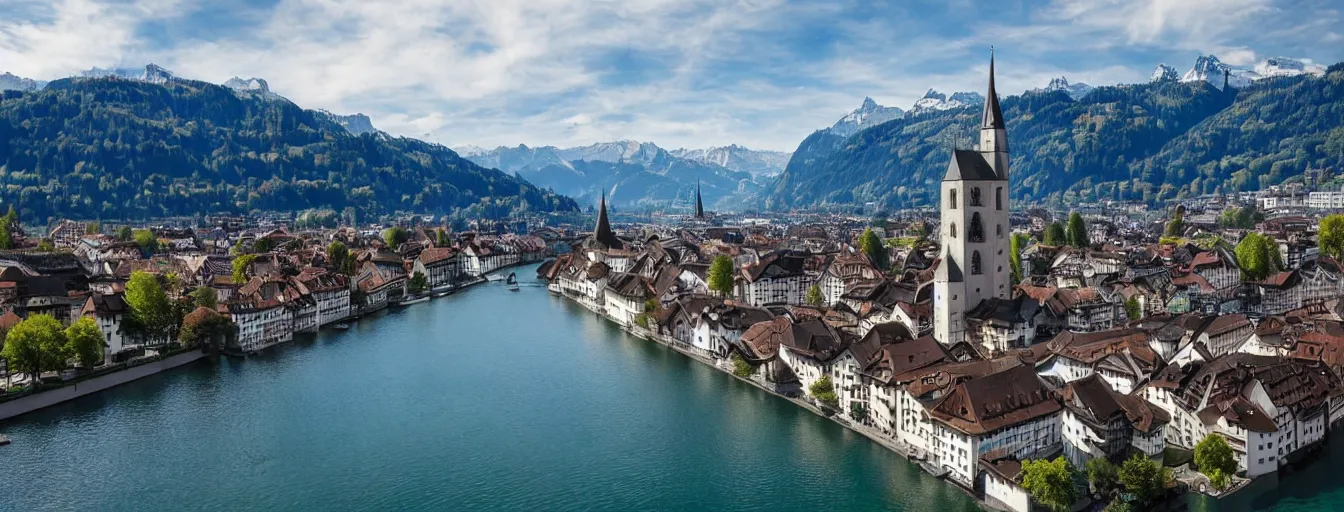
{"x": 948, "y": 270}
{"x": 603, "y": 236}
{"x": 993, "y": 116}
{"x": 967, "y": 165}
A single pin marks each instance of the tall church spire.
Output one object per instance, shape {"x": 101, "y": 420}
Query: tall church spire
{"x": 699, "y": 205}
{"x": 602, "y": 233}
{"x": 993, "y": 117}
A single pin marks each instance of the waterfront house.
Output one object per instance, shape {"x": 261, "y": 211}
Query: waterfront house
{"x": 1270, "y": 409}
{"x": 1098, "y": 422}
{"x": 809, "y": 347}
{"x": 624, "y": 297}
{"x": 1000, "y": 483}
{"x": 109, "y": 312}
{"x": 330, "y": 294}
{"x": 895, "y": 365}
{"x": 261, "y": 323}
{"x": 439, "y": 265}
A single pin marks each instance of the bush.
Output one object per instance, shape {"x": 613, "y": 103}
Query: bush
{"x": 741, "y": 367}
{"x": 824, "y": 391}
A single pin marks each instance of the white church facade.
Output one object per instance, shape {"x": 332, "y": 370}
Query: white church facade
{"x": 974, "y": 228}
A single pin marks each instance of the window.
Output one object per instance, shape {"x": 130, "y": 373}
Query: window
{"x": 998, "y": 230}
{"x": 998, "y": 198}
{"x": 975, "y": 262}
{"x": 952, "y": 199}
{"x": 953, "y": 227}
{"x": 977, "y": 232}
{"x": 975, "y": 196}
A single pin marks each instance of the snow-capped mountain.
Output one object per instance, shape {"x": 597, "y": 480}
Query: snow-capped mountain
{"x": 868, "y": 115}
{"x": 1284, "y": 66}
{"x": 1165, "y": 73}
{"x": 1074, "y": 90}
{"x": 738, "y": 158}
{"x": 254, "y": 86}
{"x": 1208, "y": 68}
{"x": 10, "y": 82}
{"x": 151, "y": 73}
{"x": 934, "y": 100}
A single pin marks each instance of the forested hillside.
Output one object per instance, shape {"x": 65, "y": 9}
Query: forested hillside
{"x": 116, "y": 148}
{"x": 1151, "y": 141}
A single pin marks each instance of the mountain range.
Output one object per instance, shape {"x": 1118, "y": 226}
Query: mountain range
{"x": 117, "y": 144}
{"x": 637, "y": 173}
{"x": 1165, "y": 139}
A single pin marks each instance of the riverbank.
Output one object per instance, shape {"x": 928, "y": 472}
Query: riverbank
{"x": 101, "y": 380}
{"x": 870, "y": 434}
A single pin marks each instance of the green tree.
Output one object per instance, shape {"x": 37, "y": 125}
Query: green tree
{"x": 151, "y": 312}
{"x": 35, "y": 345}
{"x": 6, "y": 237}
{"x": 441, "y": 238}
{"x": 93, "y": 228}
{"x": 418, "y": 283}
{"x": 1214, "y": 454}
{"x": 824, "y": 391}
{"x": 125, "y": 234}
{"x": 45, "y": 245}
{"x": 1176, "y": 226}
{"x": 84, "y": 341}
{"x": 337, "y": 252}
{"x": 871, "y": 245}
{"x": 741, "y": 367}
{"x": 263, "y": 245}
{"x": 721, "y": 275}
{"x": 1054, "y": 235}
{"x": 1103, "y": 475}
{"x": 146, "y": 240}
{"x": 1015, "y": 256}
{"x": 1331, "y": 236}
{"x": 395, "y": 236}
{"x": 1077, "y": 231}
{"x": 1145, "y": 478}
{"x": 814, "y": 296}
{"x": 1049, "y": 482}
{"x": 1133, "y": 308}
{"x": 241, "y": 264}
{"x": 205, "y": 297}
{"x": 1258, "y": 256}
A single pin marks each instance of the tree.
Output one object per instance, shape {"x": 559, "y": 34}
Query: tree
{"x": 337, "y": 252}
{"x": 814, "y": 296}
{"x": 1015, "y": 255}
{"x": 1133, "y": 308}
{"x": 1102, "y": 475}
{"x": 84, "y": 341}
{"x": 1258, "y": 256}
{"x": 205, "y": 326}
{"x": 418, "y": 283}
{"x": 395, "y": 236}
{"x": 93, "y": 228}
{"x": 205, "y": 297}
{"x": 441, "y": 238}
{"x": 1214, "y": 454}
{"x": 151, "y": 313}
{"x": 1054, "y": 235}
{"x": 6, "y": 237}
{"x": 263, "y": 245}
{"x": 1331, "y": 236}
{"x": 35, "y": 345}
{"x": 146, "y": 240}
{"x": 241, "y": 264}
{"x": 824, "y": 391}
{"x": 1049, "y": 482}
{"x": 871, "y": 245}
{"x": 1077, "y": 231}
{"x": 45, "y": 245}
{"x": 1176, "y": 226}
{"x": 1145, "y": 478}
{"x": 721, "y": 275}
{"x": 125, "y": 234}
{"x": 741, "y": 367}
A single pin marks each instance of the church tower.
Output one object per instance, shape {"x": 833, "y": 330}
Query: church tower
{"x": 974, "y": 229}
{"x": 699, "y": 205}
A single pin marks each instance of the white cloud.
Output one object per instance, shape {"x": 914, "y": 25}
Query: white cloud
{"x": 67, "y": 36}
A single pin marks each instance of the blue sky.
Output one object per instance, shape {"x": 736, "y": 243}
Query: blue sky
{"x": 681, "y": 73}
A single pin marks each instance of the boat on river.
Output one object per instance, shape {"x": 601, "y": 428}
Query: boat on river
{"x": 341, "y": 326}
{"x": 414, "y": 299}
{"x": 512, "y": 281}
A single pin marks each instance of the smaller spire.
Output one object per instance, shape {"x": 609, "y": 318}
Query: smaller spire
{"x": 993, "y": 117}
{"x": 699, "y": 205}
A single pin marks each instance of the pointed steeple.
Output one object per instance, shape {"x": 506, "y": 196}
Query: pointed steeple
{"x": 603, "y": 236}
{"x": 699, "y": 205}
{"x": 993, "y": 117}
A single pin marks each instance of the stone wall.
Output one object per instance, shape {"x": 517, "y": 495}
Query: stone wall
{"x": 52, "y": 397}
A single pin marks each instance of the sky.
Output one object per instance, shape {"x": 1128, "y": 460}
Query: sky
{"x": 679, "y": 73}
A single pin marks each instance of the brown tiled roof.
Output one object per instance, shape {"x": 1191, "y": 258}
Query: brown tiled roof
{"x": 986, "y": 404}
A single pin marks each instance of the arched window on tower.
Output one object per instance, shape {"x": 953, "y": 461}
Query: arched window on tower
{"x": 952, "y": 199}
{"x": 975, "y": 263}
{"x": 977, "y": 230}
{"x": 998, "y": 230}
{"x": 998, "y": 198}
{"x": 953, "y": 227}
{"x": 975, "y": 196}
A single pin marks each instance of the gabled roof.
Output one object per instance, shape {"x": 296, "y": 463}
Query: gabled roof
{"x": 996, "y": 401}
{"x": 967, "y": 165}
